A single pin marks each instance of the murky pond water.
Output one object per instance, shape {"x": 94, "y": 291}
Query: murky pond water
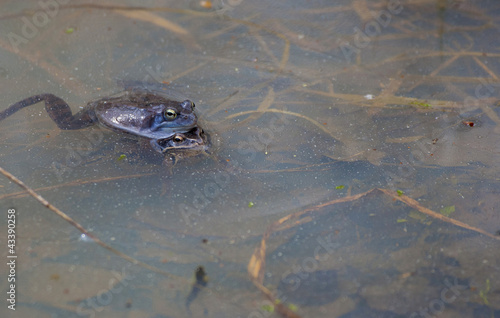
{"x": 354, "y": 167}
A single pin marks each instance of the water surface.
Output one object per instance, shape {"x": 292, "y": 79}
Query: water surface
{"x": 306, "y": 104}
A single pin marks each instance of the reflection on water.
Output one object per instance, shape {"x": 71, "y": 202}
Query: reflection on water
{"x": 309, "y": 109}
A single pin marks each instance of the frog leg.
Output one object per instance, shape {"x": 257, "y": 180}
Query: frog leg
{"x": 58, "y": 110}
{"x": 166, "y": 177}
{"x": 154, "y": 144}
{"x": 169, "y": 163}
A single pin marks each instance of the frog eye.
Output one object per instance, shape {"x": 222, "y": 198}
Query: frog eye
{"x": 170, "y": 114}
{"x": 178, "y": 139}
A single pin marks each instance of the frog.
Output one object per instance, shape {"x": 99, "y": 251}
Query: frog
{"x": 138, "y": 112}
{"x": 193, "y": 140}
{"x": 183, "y": 145}
{"x": 171, "y": 150}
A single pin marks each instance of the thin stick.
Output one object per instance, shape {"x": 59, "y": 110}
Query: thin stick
{"x": 257, "y": 263}
{"x": 414, "y": 204}
{"x": 68, "y": 219}
{"x": 78, "y": 182}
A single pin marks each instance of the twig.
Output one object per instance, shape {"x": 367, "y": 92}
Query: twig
{"x": 68, "y": 219}
{"x": 257, "y": 262}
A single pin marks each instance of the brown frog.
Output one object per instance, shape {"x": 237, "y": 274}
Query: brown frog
{"x": 183, "y": 145}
